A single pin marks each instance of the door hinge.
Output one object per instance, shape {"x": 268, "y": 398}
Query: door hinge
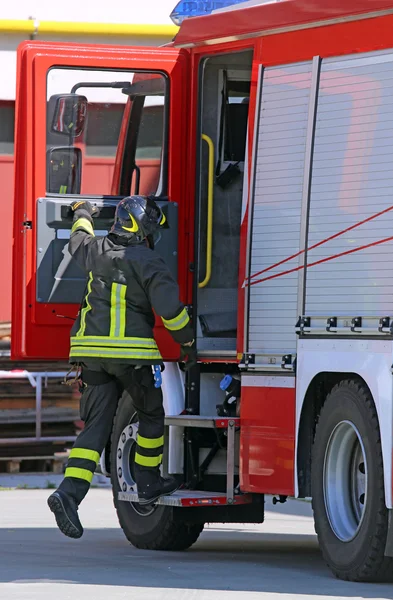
{"x": 356, "y": 323}
{"x": 248, "y": 359}
{"x": 27, "y": 224}
{"x": 286, "y": 361}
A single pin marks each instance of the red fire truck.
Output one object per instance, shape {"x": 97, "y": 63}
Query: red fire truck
{"x": 266, "y": 133}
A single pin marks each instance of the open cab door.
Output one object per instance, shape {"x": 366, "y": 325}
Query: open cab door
{"x": 98, "y": 122}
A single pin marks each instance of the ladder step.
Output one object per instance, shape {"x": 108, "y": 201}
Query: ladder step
{"x": 191, "y": 498}
{"x": 203, "y": 422}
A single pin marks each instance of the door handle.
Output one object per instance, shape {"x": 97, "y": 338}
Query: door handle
{"x": 104, "y": 212}
{"x": 210, "y": 205}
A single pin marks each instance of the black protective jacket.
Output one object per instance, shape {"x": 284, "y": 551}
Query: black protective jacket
{"x": 125, "y": 284}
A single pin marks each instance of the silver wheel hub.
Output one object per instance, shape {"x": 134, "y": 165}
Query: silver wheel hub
{"x": 345, "y": 481}
{"x": 125, "y": 453}
{"x": 124, "y": 457}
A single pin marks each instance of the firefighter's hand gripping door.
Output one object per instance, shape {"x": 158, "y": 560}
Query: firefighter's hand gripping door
{"x": 97, "y": 122}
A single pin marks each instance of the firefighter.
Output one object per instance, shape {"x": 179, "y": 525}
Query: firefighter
{"x": 113, "y": 345}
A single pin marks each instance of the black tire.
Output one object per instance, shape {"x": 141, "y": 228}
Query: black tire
{"x": 360, "y": 557}
{"x": 151, "y": 528}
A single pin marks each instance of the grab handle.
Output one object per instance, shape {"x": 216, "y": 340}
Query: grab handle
{"x": 210, "y": 204}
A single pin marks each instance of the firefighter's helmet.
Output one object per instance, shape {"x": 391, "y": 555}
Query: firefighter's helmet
{"x": 138, "y": 218}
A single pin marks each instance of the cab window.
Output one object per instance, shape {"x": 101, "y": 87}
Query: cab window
{"x": 89, "y": 112}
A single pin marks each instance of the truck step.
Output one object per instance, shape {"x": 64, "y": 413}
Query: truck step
{"x": 191, "y": 498}
{"x": 213, "y": 422}
{"x": 229, "y": 424}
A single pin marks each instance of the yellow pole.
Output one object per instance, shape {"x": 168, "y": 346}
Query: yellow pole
{"x": 13, "y": 26}
{"x": 35, "y": 27}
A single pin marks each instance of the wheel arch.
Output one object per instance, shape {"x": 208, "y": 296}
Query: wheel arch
{"x": 331, "y": 360}
{"x": 314, "y": 399}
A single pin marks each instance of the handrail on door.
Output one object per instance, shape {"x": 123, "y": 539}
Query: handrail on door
{"x": 210, "y": 204}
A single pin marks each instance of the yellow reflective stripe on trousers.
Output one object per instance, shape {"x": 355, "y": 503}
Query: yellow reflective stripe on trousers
{"x": 104, "y": 340}
{"x": 118, "y": 310}
{"x": 86, "y": 309}
{"x": 132, "y": 353}
{"x": 149, "y": 442}
{"x": 79, "y": 473}
{"x": 84, "y": 224}
{"x": 86, "y": 454}
{"x": 148, "y": 461}
{"x": 178, "y": 322}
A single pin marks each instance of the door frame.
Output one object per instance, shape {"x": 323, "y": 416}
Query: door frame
{"x": 37, "y": 333}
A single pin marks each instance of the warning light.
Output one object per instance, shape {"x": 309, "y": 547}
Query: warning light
{"x": 198, "y": 8}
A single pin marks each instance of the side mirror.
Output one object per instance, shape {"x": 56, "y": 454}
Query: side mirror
{"x": 69, "y": 117}
{"x": 64, "y": 170}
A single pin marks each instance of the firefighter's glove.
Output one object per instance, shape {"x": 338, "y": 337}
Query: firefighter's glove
{"x": 188, "y": 355}
{"x": 84, "y": 208}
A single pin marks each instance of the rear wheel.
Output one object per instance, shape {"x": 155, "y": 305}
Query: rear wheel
{"x": 152, "y": 527}
{"x": 351, "y": 518}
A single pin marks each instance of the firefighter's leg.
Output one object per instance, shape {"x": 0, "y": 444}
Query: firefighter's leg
{"x": 97, "y": 409}
{"x": 148, "y": 403}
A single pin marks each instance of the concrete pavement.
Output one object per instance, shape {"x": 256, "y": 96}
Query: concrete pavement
{"x": 277, "y": 560}
{"x": 42, "y": 480}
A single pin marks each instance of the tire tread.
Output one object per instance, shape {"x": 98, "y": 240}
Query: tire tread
{"x": 377, "y": 567}
{"x": 174, "y": 535}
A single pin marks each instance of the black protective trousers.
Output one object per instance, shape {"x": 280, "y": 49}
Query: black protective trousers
{"x": 98, "y": 406}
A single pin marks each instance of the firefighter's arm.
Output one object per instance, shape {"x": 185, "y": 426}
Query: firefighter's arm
{"x": 163, "y": 293}
{"x": 82, "y": 231}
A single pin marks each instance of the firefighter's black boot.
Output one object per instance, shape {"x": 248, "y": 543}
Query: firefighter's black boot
{"x": 65, "y": 509}
{"x": 165, "y": 486}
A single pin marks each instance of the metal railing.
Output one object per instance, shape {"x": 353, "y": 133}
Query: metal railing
{"x": 36, "y": 380}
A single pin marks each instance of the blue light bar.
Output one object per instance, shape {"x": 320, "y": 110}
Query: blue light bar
{"x": 198, "y": 8}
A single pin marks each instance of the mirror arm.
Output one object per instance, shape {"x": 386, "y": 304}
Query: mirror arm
{"x": 100, "y": 84}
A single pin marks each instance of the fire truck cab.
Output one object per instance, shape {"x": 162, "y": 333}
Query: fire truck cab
{"x": 264, "y": 132}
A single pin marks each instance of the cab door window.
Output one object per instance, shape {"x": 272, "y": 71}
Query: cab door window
{"x": 86, "y": 110}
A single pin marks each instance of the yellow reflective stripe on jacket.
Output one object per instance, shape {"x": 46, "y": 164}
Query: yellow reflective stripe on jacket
{"x": 86, "y": 454}
{"x": 83, "y": 223}
{"x": 149, "y": 442}
{"x": 148, "y": 461}
{"x": 113, "y": 310}
{"x": 126, "y": 342}
{"x": 86, "y": 309}
{"x": 79, "y": 473}
{"x": 118, "y": 310}
{"x": 131, "y": 353}
{"x": 178, "y": 322}
{"x": 122, "y": 312}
